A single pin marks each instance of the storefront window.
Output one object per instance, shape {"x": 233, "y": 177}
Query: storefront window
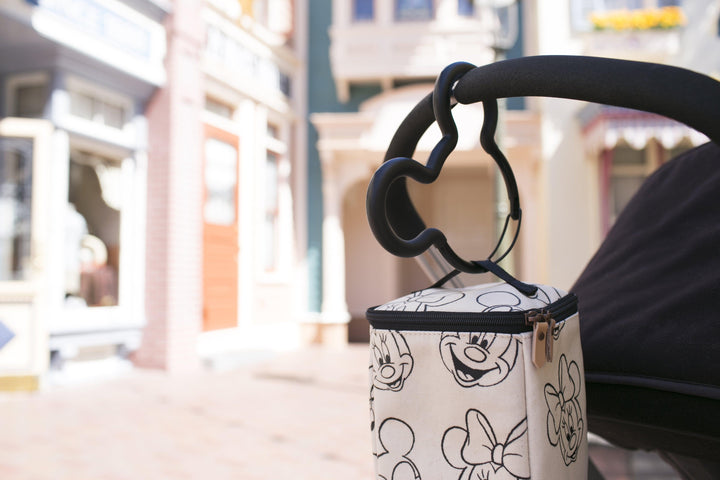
{"x": 15, "y": 207}
{"x": 625, "y": 170}
{"x": 92, "y": 230}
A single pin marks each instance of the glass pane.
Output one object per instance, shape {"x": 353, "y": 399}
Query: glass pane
{"x": 285, "y": 84}
{"x": 270, "y": 242}
{"x": 363, "y": 10}
{"x": 92, "y": 231}
{"x": 273, "y": 131}
{"x": 81, "y": 105}
{"x": 271, "y": 212}
{"x": 15, "y": 207}
{"x": 413, "y": 10}
{"x": 30, "y": 101}
{"x": 271, "y": 182}
{"x": 113, "y": 115}
{"x": 220, "y": 182}
{"x": 218, "y": 108}
{"x": 622, "y": 190}
{"x": 466, "y": 8}
{"x": 628, "y": 156}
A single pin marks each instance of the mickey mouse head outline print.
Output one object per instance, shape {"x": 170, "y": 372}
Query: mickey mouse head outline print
{"x": 397, "y": 440}
{"x": 424, "y": 301}
{"x": 475, "y": 358}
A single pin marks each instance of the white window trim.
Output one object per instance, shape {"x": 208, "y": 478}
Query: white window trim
{"x": 124, "y": 315}
{"x": 125, "y": 136}
{"x": 279, "y": 146}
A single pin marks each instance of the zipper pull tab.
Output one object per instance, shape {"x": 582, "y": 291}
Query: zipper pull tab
{"x": 549, "y": 339}
{"x": 543, "y": 326}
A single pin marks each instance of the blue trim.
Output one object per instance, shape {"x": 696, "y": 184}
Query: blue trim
{"x": 322, "y": 97}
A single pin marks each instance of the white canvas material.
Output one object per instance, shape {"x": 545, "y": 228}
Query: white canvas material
{"x": 472, "y": 405}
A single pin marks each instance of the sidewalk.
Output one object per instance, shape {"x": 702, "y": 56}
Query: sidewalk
{"x": 299, "y": 416}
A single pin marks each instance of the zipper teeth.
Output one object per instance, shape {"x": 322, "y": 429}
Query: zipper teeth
{"x": 499, "y": 322}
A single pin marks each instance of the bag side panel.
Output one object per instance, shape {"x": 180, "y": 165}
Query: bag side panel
{"x": 557, "y": 415}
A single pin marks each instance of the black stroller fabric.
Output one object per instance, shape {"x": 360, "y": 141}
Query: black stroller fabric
{"x": 650, "y": 315}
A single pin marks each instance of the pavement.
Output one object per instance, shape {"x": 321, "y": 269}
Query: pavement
{"x": 300, "y": 415}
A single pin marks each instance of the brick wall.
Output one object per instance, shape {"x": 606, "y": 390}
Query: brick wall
{"x": 174, "y": 200}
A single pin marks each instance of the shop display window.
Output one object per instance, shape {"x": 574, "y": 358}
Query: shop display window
{"x": 16, "y": 157}
{"x": 92, "y": 230}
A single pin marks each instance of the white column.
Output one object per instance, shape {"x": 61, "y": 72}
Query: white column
{"x": 334, "y": 306}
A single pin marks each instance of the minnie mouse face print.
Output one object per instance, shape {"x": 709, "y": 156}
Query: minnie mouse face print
{"x": 391, "y": 360}
{"x": 482, "y": 359}
{"x": 564, "y": 421}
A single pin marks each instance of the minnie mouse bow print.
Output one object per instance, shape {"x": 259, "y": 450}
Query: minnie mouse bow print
{"x": 476, "y": 450}
{"x": 565, "y": 426}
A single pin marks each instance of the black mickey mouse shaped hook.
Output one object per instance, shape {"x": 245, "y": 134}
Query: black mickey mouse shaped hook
{"x": 397, "y": 169}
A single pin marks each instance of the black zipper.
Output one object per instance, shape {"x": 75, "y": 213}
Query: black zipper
{"x": 496, "y": 322}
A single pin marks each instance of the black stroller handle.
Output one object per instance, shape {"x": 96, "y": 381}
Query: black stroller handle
{"x": 683, "y": 95}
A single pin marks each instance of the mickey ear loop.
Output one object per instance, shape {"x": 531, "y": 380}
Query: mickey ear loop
{"x": 443, "y": 116}
{"x": 487, "y": 141}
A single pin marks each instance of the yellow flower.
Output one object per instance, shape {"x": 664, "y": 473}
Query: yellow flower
{"x": 641, "y": 19}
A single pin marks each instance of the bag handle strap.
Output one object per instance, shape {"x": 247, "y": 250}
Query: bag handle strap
{"x": 677, "y": 93}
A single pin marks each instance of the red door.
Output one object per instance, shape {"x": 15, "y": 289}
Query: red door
{"x": 220, "y": 230}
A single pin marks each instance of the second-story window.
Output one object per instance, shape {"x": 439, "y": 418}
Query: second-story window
{"x": 466, "y": 8}
{"x": 272, "y": 217}
{"x": 363, "y": 10}
{"x": 414, "y": 10}
{"x": 98, "y": 106}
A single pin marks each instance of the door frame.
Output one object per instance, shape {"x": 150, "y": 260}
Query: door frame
{"x": 26, "y": 357}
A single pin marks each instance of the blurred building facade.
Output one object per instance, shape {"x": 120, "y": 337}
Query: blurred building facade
{"x": 153, "y": 180}
{"x": 577, "y": 165}
{"x": 226, "y": 230}
{"x": 183, "y": 179}
{"x": 593, "y": 157}
{"x": 383, "y": 58}
{"x": 76, "y": 77}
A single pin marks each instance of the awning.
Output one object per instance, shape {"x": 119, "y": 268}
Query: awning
{"x": 604, "y": 127}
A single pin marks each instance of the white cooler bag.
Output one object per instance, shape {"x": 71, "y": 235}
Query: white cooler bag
{"x": 478, "y": 383}
{"x": 468, "y": 383}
